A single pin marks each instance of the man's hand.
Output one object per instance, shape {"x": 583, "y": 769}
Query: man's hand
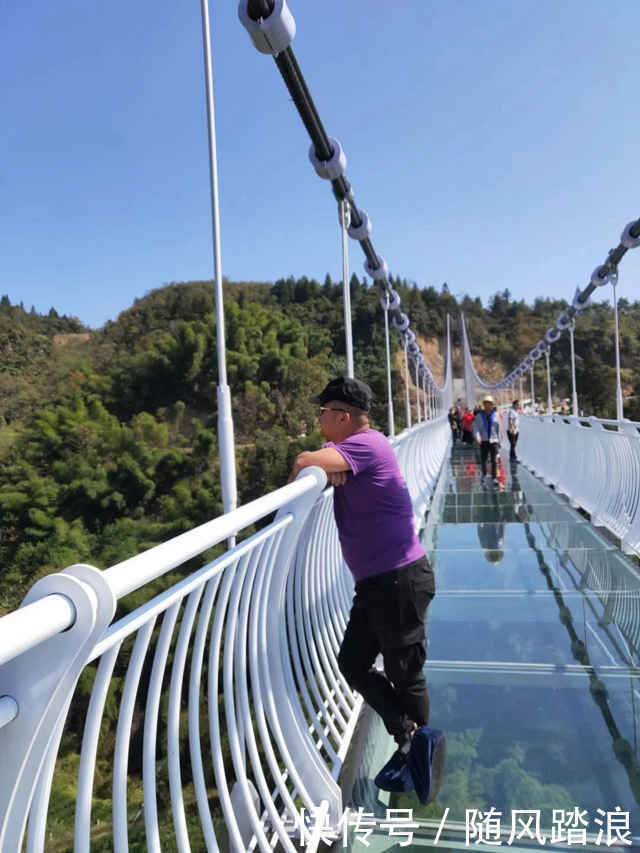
{"x": 329, "y": 459}
{"x": 339, "y": 478}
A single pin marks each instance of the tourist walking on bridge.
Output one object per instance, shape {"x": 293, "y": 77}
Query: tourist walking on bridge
{"x": 513, "y": 425}
{"x": 454, "y": 423}
{"x": 467, "y": 426}
{"x": 487, "y": 431}
{"x": 394, "y": 582}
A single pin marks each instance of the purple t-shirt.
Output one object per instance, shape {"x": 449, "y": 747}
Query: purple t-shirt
{"x": 373, "y": 509}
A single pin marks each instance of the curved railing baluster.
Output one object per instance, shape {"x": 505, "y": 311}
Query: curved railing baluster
{"x": 271, "y": 612}
{"x": 123, "y": 737}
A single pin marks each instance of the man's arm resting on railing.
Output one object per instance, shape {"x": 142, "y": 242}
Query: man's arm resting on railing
{"x": 330, "y": 460}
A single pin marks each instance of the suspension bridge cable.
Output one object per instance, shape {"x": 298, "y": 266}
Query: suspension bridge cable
{"x": 272, "y": 28}
{"x": 604, "y": 274}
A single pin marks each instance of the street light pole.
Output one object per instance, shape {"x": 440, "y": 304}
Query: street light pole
{"x": 225, "y": 417}
{"x": 619, "y": 402}
{"x": 574, "y": 395}
{"x": 344, "y": 210}
{"x": 547, "y": 355}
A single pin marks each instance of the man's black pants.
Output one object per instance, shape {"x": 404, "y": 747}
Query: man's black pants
{"x": 513, "y": 440}
{"x": 489, "y": 448}
{"x": 388, "y": 617}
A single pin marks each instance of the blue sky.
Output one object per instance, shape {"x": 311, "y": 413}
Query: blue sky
{"x": 493, "y": 144}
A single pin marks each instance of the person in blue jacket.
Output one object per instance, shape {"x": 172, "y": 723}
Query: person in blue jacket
{"x": 486, "y": 428}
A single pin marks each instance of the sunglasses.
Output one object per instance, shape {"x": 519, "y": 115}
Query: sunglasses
{"x": 324, "y": 409}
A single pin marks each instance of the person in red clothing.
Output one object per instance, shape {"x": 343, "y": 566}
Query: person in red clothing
{"x": 467, "y": 426}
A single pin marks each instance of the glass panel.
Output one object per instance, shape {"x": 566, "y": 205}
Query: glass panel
{"x": 490, "y": 497}
{"x": 533, "y": 651}
{"x": 482, "y": 570}
{"x": 511, "y": 535}
{"x": 542, "y": 627}
{"x": 503, "y": 512}
{"x": 538, "y": 741}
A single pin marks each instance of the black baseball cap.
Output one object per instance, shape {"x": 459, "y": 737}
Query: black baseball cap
{"x": 346, "y": 390}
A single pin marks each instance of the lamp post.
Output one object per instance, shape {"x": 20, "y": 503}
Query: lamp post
{"x": 619, "y": 402}
{"x": 533, "y": 393}
{"x": 225, "y": 417}
{"x": 547, "y": 355}
{"x": 344, "y": 210}
{"x": 406, "y": 382}
{"x": 574, "y": 395}
{"x": 385, "y": 309}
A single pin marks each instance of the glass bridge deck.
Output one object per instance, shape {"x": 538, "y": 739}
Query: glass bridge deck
{"x": 533, "y": 644}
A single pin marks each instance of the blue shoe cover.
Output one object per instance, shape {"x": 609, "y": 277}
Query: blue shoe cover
{"x": 395, "y": 776}
{"x": 420, "y": 760}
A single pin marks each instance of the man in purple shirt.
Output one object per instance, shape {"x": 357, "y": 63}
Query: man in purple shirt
{"x": 394, "y": 582}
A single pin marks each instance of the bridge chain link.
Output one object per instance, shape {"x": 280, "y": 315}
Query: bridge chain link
{"x": 272, "y": 29}
{"x": 603, "y": 274}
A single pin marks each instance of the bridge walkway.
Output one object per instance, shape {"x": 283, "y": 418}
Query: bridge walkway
{"x": 532, "y": 671}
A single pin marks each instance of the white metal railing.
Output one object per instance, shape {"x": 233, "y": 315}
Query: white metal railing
{"x": 595, "y": 463}
{"x": 231, "y": 710}
{"x": 420, "y": 453}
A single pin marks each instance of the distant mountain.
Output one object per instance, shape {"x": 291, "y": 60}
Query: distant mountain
{"x": 108, "y": 439}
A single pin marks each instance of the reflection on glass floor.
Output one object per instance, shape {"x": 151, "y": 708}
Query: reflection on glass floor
{"x": 533, "y": 645}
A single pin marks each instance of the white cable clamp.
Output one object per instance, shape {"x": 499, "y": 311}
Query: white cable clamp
{"x": 552, "y": 335}
{"x": 601, "y": 275}
{"x": 401, "y": 324}
{"x": 627, "y": 240}
{"x": 344, "y": 213}
{"x": 395, "y": 299}
{"x": 577, "y": 302}
{"x": 363, "y": 231}
{"x": 536, "y": 353}
{"x": 273, "y": 34}
{"x": 332, "y": 168}
{"x": 381, "y": 270}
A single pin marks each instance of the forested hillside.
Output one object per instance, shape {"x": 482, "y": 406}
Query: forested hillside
{"x": 108, "y": 438}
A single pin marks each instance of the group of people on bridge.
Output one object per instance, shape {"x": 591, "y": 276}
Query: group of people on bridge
{"x": 482, "y": 426}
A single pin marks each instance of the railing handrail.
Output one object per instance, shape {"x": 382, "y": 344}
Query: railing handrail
{"x": 581, "y": 420}
{"x": 606, "y": 483}
{"x": 283, "y": 586}
{"x": 28, "y": 626}
{"x": 39, "y": 621}
{"x": 131, "y": 574}
{"x": 35, "y": 623}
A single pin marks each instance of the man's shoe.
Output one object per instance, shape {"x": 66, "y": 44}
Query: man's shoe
{"x": 496, "y": 481}
{"x": 395, "y": 776}
{"x": 426, "y": 762}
